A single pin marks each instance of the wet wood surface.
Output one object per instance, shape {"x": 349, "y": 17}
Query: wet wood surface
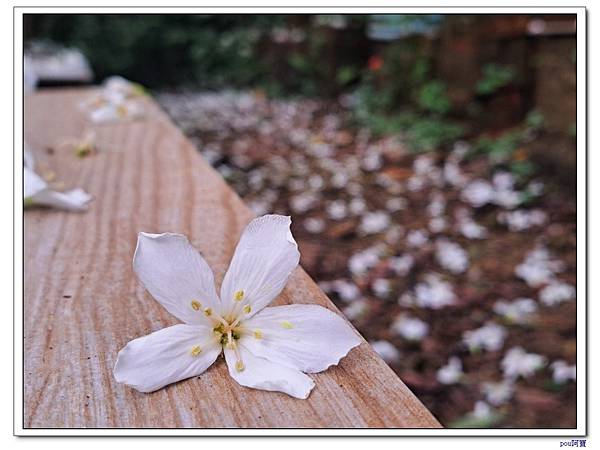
{"x": 83, "y": 303}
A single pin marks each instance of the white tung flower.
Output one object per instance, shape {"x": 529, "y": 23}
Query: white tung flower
{"x": 423, "y": 165}
{"x": 337, "y": 210}
{"x": 356, "y": 309}
{"x": 382, "y": 287}
{"x": 117, "y": 100}
{"x": 482, "y": 411}
{"x": 388, "y": 352}
{"x": 357, "y": 206}
{"x": 453, "y": 174}
{"x": 520, "y": 219}
{"x": 402, "y": 265}
{"x": 434, "y": 293}
{"x": 557, "y": 292}
{"x": 489, "y": 337}
{"x": 395, "y": 204}
{"x": 393, "y": 234}
{"x": 372, "y": 161}
{"x": 467, "y": 226}
{"x": 374, "y": 222}
{"x": 265, "y": 348}
{"x": 314, "y": 224}
{"x": 437, "y": 205}
{"x": 437, "y": 224}
{"x": 259, "y": 207}
{"x": 361, "y": 262}
{"x": 417, "y": 238}
{"x": 518, "y": 363}
{"x": 36, "y": 191}
{"x": 347, "y": 290}
{"x": 450, "y": 373}
{"x": 498, "y": 393}
{"x": 451, "y": 256}
{"x": 478, "y": 193}
{"x": 538, "y": 267}
{"x": 519, "y": 311}
{"x": 110, "y": 112}
{"x": 561, "y": 372}
{"x": 410, "y": 328}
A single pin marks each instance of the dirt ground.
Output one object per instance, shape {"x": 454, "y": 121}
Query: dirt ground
{"x": 390, "y": 235}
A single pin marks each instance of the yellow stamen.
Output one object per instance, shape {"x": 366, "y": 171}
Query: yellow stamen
{"x": 83, "y": 150}
{"x": 239, "y": 295}
{"x": 196, "y": 350}
{"x": 287, "y": 325}
{"x": 121, "y": 111}
{"x": 207, "y": 312}
{"x": 50, "y": 176}
{"x": 239, "y": 364}
{"x": 258, "y": 334}
{"x": 247, "y": 309}
{"x": 196, "y": 305}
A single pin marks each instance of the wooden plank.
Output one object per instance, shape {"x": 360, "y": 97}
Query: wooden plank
{"x": 83, "y": 302}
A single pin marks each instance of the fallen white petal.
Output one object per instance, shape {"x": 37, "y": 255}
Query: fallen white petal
{"x": 309, "y": 338}
{"x": 259, "y": 373}
{"x": 165, "y": 356}
{"x": 450, "y": 373}
{"x": 28, "y": 159}
{"x": 388, "y": 352}
{"x": 37, "y": 192}
{"x": 176, "y": 275}
{"x": 32, "y": 183}
{"x": 263, "y": 260}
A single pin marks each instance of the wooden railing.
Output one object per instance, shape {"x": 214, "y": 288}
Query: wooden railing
{"x": 83, "y": 303}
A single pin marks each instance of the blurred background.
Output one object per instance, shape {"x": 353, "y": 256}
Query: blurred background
{"x": 427, "y": 161}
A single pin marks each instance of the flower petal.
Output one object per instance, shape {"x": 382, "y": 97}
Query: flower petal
{"x": 28, "y": 159}
{"x": 74, "y": 200}
{"x": 258, "y": 373}
{"x": 261, "y": 265}
{"x": 309, "y": 338}
{"x": 166, "y": 356}
{"x": 176, "y": 275}
{"x": 37, "y": 192}
{"x": 32, "y": 183}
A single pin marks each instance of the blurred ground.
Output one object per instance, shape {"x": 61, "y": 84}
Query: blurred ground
{"x": 418, "y": 250}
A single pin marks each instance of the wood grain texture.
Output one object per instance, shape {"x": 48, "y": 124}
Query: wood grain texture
{"x": 83, "y": 303}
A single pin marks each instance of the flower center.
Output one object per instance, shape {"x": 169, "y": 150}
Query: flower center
{"x": 228, "y": 333}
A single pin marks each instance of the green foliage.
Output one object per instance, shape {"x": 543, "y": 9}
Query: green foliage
{"x": 394, "y": 100}
{"x": 159, "y": 50}
{"x": 551, "y": 386}
{"x": 469, "y": 421}
{"x": 499, "y": 149}
{"x": 426, "y": 134}
{"x": 522, "y": 169}
{"x": 535, "y": 120}
{"x": 347, "y": 74}
{"x": 494, "y": 77}
{"x": 433, "y": 98}
{"x": 504, "y": 151}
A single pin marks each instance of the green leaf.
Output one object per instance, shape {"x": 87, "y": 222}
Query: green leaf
{"x": 494, "y": 77}
{"x": 432, "y": 97}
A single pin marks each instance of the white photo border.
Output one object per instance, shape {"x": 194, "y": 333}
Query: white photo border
{"x": 582, "y": 230}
